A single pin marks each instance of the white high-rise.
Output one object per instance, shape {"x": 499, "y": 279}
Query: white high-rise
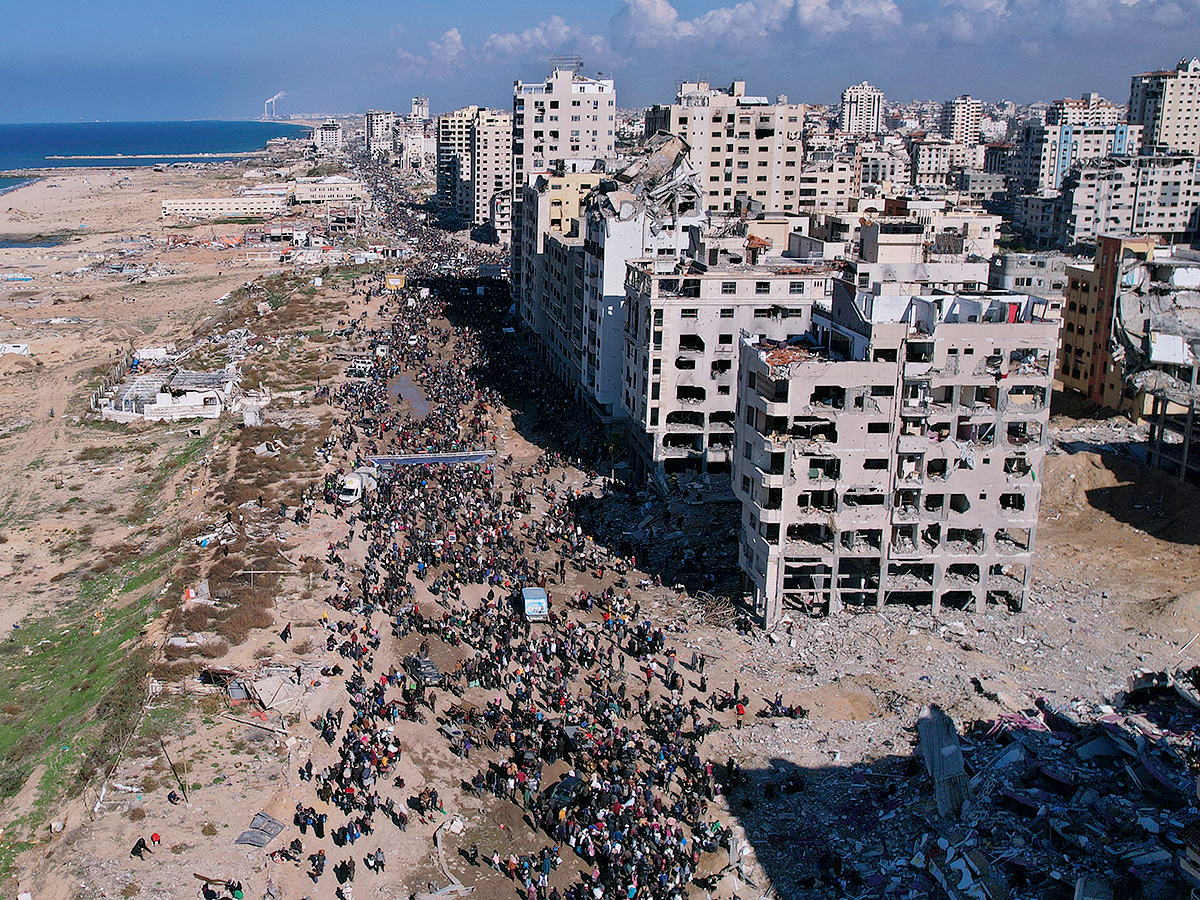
{"x": 961, "y": 118}
{"x": 743, "y": 147}
{"x": 862, "y": 110}
{"x": 1167, "y": 106}
{"x": 566, "y": 116}
{"x": 379, "y": 127}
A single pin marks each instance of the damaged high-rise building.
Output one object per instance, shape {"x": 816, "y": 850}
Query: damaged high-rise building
{"x": 1131, "y": 341}
{"x": 894, "y": 456}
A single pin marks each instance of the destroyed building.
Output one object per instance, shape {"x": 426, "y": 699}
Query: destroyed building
{"x": 894, "y": 456}
{"x": 1131, "y": 341}
{"x": 682, "y": 325}
{"x": 575, "y": 303}
{"x": 167, "y": 396}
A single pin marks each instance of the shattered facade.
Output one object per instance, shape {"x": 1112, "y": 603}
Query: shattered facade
{"x": 1131, "y": 341}
{"x": 745, "y": 148}
{"x": 682, "y": 326}
{"x": 896, "y": 459}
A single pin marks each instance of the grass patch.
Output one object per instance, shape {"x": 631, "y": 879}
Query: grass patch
{"x": 174, "y": 461}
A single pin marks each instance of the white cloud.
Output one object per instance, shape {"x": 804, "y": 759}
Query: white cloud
{"x": 446, "y": 55}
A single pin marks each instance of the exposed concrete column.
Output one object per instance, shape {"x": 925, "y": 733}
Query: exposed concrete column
{"x": 1159, "y": 410}
{"x": 1187, "y": 440}
{"x": 936, "y": 605}
{"x": 982, "y": 591}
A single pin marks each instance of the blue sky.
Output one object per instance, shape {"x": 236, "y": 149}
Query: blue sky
{"x": 65, "y": 60}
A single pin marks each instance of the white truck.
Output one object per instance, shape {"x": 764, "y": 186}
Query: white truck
{"x": 354, "y": 484}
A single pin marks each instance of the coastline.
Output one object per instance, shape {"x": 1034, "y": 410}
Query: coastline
{"x": 21, "y": 181}
{"x": 30, "y": 147}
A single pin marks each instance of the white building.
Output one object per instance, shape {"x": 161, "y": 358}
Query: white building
{"x": 181, "y": 394}
{"x": 420, "y": 110}
{"x": 1090, "y": 111}
{"x": 416, "y": 143}
{"x": 961, "y": 119}
{"x": 743, "y": 147}
{"x": 1167, "y": 106}
{"x": 378, "y": 132}
{"x": 328, "y": 137}
{"x": 566, "y": 116}
{"x": 862, "y": 110}
{"x": 933, "y": 159}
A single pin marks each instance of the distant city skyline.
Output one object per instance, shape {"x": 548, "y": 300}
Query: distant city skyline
{"x": 134, "y": 60}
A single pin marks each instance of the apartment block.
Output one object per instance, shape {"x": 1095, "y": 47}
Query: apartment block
{"x": 548, "y": 270}
{"x": 1089, "y": 111}
{"x": 490, "y": 189}
{"x": 933, "y": 159}
{"x": 743, "y": 147}
{"x": 332, "y": 189}
{"x": 1148, "y": 195}
{"x": 830, "y": 183}
{"x": 378, "y": 131}
{"x": 474, "y": 167}
{"x": 576, "y": 235}
{"x": 564, "y": 117}
{"x": 454, "y": 157}
{"x": 961, "y": 119}
{"x": 861, "y": 111}
{"x": 906, "y": 471}
{"x": 879, "y": 165}
{"x": 1166, "y": 104}
{"x": 328, "y": 137}
{"x": 1046, "y": 153}
{"x": 682, "y": 326}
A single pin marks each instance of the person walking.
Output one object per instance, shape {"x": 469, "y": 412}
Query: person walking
{"x": 140, "y": 849}
{"x": 741, "y": 714}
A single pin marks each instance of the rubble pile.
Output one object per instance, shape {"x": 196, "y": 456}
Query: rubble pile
{"x": 1043, "y": 803}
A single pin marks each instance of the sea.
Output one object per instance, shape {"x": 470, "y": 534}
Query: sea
{"x": 115, "y": 144}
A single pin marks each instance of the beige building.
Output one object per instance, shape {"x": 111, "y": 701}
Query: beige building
{"x": 490, "y": 190}
{"x": 454, "y": 158}
{"x": 861, "y": 111}
{"x": 252, "y": 206}
{"x": 830, "y": 184}
{"x": 333, "y": 189}
{"x": 1166, "y": 105}
{"x": 682, "y": 325}
{"x": 547, "y": 273}
{"x": 898, "y": 460}
{"x": 744, "y": 148}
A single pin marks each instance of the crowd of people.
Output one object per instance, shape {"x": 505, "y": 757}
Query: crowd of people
{"x": 596, "y": 692}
